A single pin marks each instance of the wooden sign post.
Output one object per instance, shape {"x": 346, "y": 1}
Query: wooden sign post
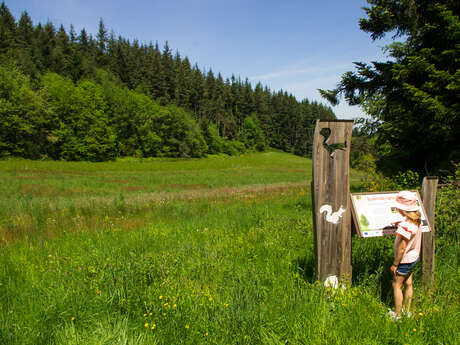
{"x": 429, "y": 188}
{"x": 331, "y": 201}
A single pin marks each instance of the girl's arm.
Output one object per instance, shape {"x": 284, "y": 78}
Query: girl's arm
{"x": 399, "y": 254}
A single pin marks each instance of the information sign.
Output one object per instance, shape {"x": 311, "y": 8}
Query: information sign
{"x": 374, "y": 213}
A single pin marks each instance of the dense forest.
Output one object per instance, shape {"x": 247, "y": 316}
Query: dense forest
{"x": 72, "y": 96}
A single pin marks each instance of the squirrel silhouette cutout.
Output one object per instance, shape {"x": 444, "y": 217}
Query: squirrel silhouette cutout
{"x": 332, "y": 217}
{"x": 326, "y": 133}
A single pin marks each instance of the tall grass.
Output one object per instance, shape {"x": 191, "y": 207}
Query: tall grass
{"x": 49, "y": 197}
{"x": 222, "y": 269}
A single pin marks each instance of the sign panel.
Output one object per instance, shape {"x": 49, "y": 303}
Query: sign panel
{"x": 374, "y": 213}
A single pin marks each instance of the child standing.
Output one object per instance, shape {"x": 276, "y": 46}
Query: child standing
{"x": 407, "y": 251}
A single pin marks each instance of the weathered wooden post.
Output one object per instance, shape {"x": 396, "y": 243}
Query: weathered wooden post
{"x": 331, "y": 201}
{"x": 429, "y": 188}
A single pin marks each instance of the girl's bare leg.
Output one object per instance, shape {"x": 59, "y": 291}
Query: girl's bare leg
{"x": 408, "y": 292}
{"x": 397, "y": 284}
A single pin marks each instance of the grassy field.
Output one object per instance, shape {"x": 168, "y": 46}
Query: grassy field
{"x": 211, "y": 251}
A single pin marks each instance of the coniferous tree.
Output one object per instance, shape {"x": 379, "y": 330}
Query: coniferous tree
{"x": 7, "y": 30}
{"x": 102, "y": 39}
{"x": 415, "y": 94}
{"x": 26, "y": 49}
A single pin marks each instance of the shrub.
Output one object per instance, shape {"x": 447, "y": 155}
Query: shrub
{"x": 406, "y": 180}
{"x": 448, "y": 208}
{"x": 213, "y": 140}
{"x": 233, "y": 147}
{"x": 252, "y": 135}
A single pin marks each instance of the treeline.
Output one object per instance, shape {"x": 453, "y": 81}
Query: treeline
{"x": 77, "y": 97}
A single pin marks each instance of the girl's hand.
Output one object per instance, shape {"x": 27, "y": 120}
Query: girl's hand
{"x": 393, "y": 269}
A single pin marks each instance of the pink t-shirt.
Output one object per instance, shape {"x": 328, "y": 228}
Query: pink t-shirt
{"x": 413, "y": 234}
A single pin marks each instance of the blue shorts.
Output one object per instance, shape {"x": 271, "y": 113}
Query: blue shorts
{"x": 406, "y": 269}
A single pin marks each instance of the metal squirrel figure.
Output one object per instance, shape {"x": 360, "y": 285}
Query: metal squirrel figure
{"x": 326, "y": 133}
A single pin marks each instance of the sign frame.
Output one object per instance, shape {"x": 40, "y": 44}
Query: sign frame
{"x": 385, "y": 231}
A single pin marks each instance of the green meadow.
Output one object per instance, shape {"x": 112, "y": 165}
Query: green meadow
{"x": 207, "y": 251}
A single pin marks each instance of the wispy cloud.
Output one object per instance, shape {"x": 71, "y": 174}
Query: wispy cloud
{"x": 304, "y": 69}
{"x": 303, "y": 80}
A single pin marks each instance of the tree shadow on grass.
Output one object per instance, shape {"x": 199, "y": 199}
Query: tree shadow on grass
{"x": 305, "y": 266}
{"x": 371, "y": 260}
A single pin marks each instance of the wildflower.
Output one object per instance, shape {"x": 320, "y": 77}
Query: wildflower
{"x": 226, "y": 305}
{"x": 146, "y": 324}
{"x": 145, "y": 315}
{"x": 175, "y": 305}
{"x": 206, "y": 334}
{"x": 154, "y": 326}
{"x": 415, "y": 329}
{"x": 150, "y": 314}
{"x": 160, "y": 297}
{"x": 73, "y": 318}
{"x": 421, "y": 314}
{"x": 187, "y": 326}
{"x": 210, "y": 299}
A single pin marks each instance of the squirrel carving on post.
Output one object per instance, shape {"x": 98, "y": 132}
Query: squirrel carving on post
{"x": 326, "y": 133}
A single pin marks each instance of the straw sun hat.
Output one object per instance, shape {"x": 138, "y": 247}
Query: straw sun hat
{"x": 406, "y": 201}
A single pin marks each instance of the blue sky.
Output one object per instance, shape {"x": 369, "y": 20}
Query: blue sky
{"x": 297, "y": 46}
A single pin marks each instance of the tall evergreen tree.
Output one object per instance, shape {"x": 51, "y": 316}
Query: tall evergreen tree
{"x": 102, "y": 38}
{"x": 416, "y": 94}
{"x": 7, "y": 30}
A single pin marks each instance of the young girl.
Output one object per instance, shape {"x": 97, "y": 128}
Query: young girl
{"x": 407, "y": 251}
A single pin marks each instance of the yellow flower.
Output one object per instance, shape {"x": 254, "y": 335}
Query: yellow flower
{"x": 154, "y": 326}
{"x": 415, "y": 329}
{"x": 226, "y": 305}
{"x": 421, "y": 314}
{"x": 187, "y": 326}
{"x": 206, "y": 334}
{"x": 150, "y": 314}
{"x": 146, "y": 325}
{"x": 145, "y": 315}
{"x": 73, "y": 318}
{"x": 210, "y": 299}
{"x": 175, "y": 305}
{"x": 160, "y": 297}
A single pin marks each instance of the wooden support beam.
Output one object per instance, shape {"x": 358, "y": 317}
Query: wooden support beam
{"x": 331, "y": 202}
{"x": 429, "y": 188}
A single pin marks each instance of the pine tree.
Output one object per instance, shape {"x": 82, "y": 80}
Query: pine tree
{"x": 25, "y": 45}
{"x": 62, "y": 53}
{"x": 7, "y": 29}
{"x": 415, "y": 95}
{"x": 102, "y": 38}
